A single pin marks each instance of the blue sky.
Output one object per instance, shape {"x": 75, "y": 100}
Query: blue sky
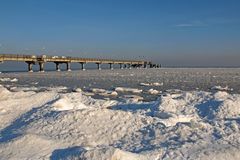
{"x": 171, "y": 32}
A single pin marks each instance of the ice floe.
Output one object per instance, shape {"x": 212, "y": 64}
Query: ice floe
{"x": 104, "y": 92}
{"x": 153, "y": 91}
{"x": 125, "y": 89}
{"x": 220, "y": 88}
{"x": 132, "y": 98}
{"x": 152, "y": 84}
{"x": 8, "y": 79}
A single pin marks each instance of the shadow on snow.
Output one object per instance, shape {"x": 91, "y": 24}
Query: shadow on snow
{"x": 14, "y": 130}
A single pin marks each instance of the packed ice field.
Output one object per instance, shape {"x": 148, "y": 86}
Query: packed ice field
{"x": 138, "y": 114}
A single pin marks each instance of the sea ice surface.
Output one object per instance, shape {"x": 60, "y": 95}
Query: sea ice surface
{"x": 58, "y": 122}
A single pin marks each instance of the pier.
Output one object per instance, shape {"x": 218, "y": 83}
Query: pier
{"x": 41, "y": 60}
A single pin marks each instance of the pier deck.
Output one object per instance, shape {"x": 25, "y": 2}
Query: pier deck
{"x": 40, "y": 60}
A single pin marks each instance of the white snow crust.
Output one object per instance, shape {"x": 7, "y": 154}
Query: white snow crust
{"x": 53, "y": 125}
{"x": 8, "y": 79}
{"x": 124, "y": 89}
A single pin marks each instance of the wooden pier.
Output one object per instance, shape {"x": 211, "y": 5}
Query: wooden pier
{"x": 41, "y": 60}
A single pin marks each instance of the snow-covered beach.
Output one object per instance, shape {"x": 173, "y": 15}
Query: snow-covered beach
{"x": 118, "y": 120}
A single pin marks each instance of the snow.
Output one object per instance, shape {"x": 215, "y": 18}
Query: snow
{"x": 77, "y": 101}
{"x": 17, "y": 89}
{"x": 152, "y": 84}
{"x": 14, "y": 104}
{"x": 220, "y": 88}
{"x": 125, "y": 89}
{"x": 64, "y": 103}
{"x": 55, "y": 124}
{"x": 104, "y": 92}
{"x": 153, "y": 91}
{"x": 77, "y": 90}
{"x": 98, "y": 90}
{"x": 123, "y": 155}
{"x": 132, "y": 98}
{"x": 8, "y": 79}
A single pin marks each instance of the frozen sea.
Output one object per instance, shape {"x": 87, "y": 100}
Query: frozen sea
{"x": 137, "y": 114}
{"x": 185, "y": 79}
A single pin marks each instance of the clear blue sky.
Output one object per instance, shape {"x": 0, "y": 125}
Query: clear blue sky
{"x": 171, "y": 32}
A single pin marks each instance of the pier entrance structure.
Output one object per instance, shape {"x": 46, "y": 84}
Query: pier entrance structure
{"x": 41, "y": 60}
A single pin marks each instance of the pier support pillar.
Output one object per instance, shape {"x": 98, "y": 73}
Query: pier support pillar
{"x": 68, "y": 66}
{"x": 57, "y": 66}
{"x": 83, "y": 66}
{"x": 99, "y": 66}
{"x": 41, "y": 66}
{"x": 30, "y": 65}
{"x": 129, "y": 66}
{"x": 145, "y": 66}
{"x": 121, "y": 66}
{"x": 111, "y": 66}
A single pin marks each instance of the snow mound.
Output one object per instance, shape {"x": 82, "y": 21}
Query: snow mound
{"x": 179, "y": 103}
{"x": 175, "y": 108}
{"x": 4, "y": 93}
{"x": 229, "y": 108}
{"x": 14, "y": 104}
{"x": 174, "y": 119}
{"x": 64, "y": 103}
{"x": 28, "y": 146}
{"x": 123, "y": 155}
{"x": 89, "y": 127}
{"x": 221, "y": 95}
{"x": 76, "y": 101}
{"x": 109, "y": 153}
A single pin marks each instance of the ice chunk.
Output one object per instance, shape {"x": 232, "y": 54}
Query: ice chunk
{"x": 124, "y": 89}
{"x": 77, "y": 90}
{"x": 152, "y": 84}
{"x": 132, "y": 98}
{"x": 153, "y": 91}
{"x": 220, "y": 88}
{"x": 8, "y": 79}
